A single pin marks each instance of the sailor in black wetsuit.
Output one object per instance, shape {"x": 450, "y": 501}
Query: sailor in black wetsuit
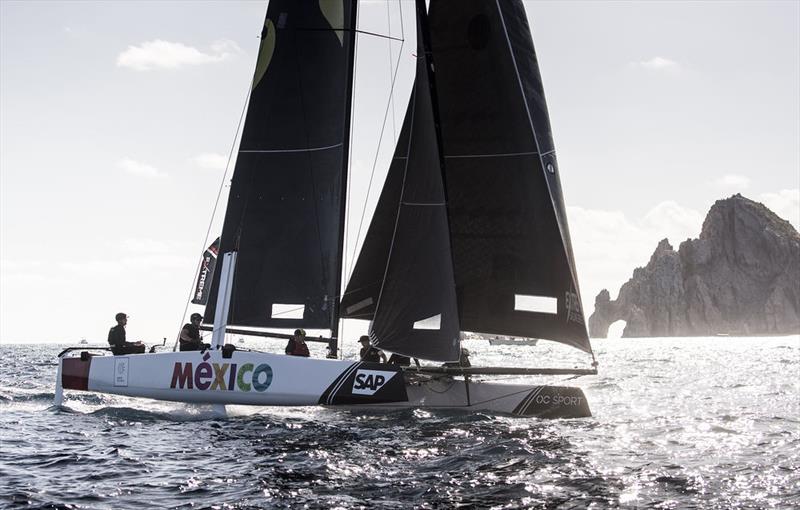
{"x": 370, "y": 353}
{"x": 116, "y": 338}
{"x": 190, "y": 335}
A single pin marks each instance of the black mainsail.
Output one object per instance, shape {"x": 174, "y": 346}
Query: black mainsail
{"x": 403, "y": 280}
{"x": 285, "y": 207}
{"x": 507, "y": 216}
{"x": 507, "y": 242}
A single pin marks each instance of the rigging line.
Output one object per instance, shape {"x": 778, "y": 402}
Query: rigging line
{"x": 309, "y": 149}
{"x": 402, "y": 30}
{"x": 375, "y": 161}
{"x": 292, "y": 310}
{"x": 216, "y": 205}
{"x": 349, "y": 185}
{"x": 394, "y": 121}
{"x": 373, "y": 34}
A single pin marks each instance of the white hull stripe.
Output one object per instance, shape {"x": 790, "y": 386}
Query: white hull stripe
{"x": 342, "y": 378}
{"x": 525, "y": 404}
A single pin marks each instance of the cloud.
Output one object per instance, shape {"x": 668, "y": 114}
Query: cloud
{"x": 149, "y": 246}
{"x": 211, "y": 161}
{"x": 657, "y": 64}
{"x": 20, "y": 271}
{"x": 140, "y": 169}
{"x": 730, "y": 181}
{"x": 608, "y": 245}
{"x": 159, "y": 54}
{"x": 675, "y": 222}
{"x": 128, "y": 267}
{"x": 785, "y": 203}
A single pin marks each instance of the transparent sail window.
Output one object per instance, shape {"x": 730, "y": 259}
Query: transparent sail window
{"x": 358, "y": 306}
{"x": 434, "y": 322}
{"x": 286, "y": 311}
{"x": 539, "y": 304}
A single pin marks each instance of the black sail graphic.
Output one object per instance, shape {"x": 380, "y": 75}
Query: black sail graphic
{"x": 403, "y": 279}
{"x": 509, "y": 231}
{"x": 285, "y": 205}
{"x": 205, "y": 275}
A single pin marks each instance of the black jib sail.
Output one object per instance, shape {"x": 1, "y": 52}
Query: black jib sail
{"x": 514, "y": 268}
{"x": 403, "y": 279}
{"x": 285, "y": 207}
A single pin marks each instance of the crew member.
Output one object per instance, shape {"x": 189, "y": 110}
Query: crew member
{"x": 297, "y": 344}
{"x": 117, "y": 341}
{"x": 190, "y": 335}
{"x": 370, "y": 353}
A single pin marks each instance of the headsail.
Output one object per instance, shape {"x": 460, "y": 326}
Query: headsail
{"x": 403, "y": 280}
{"x": 285, "y": 207}
{"x": 511, "y": 245}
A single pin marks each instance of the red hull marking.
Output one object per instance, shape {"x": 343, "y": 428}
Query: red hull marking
{"x": 75, "y": 373}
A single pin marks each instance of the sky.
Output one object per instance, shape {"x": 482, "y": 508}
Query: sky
{"x": 117, "y": 120}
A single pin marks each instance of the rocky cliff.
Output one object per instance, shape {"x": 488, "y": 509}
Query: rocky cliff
{"x": 740, "y": 277}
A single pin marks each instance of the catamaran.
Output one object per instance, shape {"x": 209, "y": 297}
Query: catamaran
{"x": 469, "y": 233}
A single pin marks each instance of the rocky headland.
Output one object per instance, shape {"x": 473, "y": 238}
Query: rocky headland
{"x": 740, "y": 277}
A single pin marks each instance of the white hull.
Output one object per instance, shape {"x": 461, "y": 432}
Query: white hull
{"x": 254, "y": 378}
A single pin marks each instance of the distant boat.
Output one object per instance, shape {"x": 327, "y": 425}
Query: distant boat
{"x": 513, "y": 341}
{"x": 83, "y": 341}
{"x": 469, "y": 232}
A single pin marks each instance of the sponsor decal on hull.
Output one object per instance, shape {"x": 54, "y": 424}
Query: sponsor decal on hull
{"x": 554, "y": 401}
{"x": 366, "y": 383}
{"x": 121, "y": 372}
{"x": 207, "y": 376}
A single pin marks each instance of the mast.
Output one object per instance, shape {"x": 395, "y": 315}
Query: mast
{"x": 333, "y": 346}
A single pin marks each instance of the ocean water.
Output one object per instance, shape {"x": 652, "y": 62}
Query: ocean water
{"x": 678, "y": 423}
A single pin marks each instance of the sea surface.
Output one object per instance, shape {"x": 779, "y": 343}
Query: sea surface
{"x": 678, "y": 423}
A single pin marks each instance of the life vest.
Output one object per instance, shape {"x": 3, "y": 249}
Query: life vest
{"x": 299, "y": 349}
